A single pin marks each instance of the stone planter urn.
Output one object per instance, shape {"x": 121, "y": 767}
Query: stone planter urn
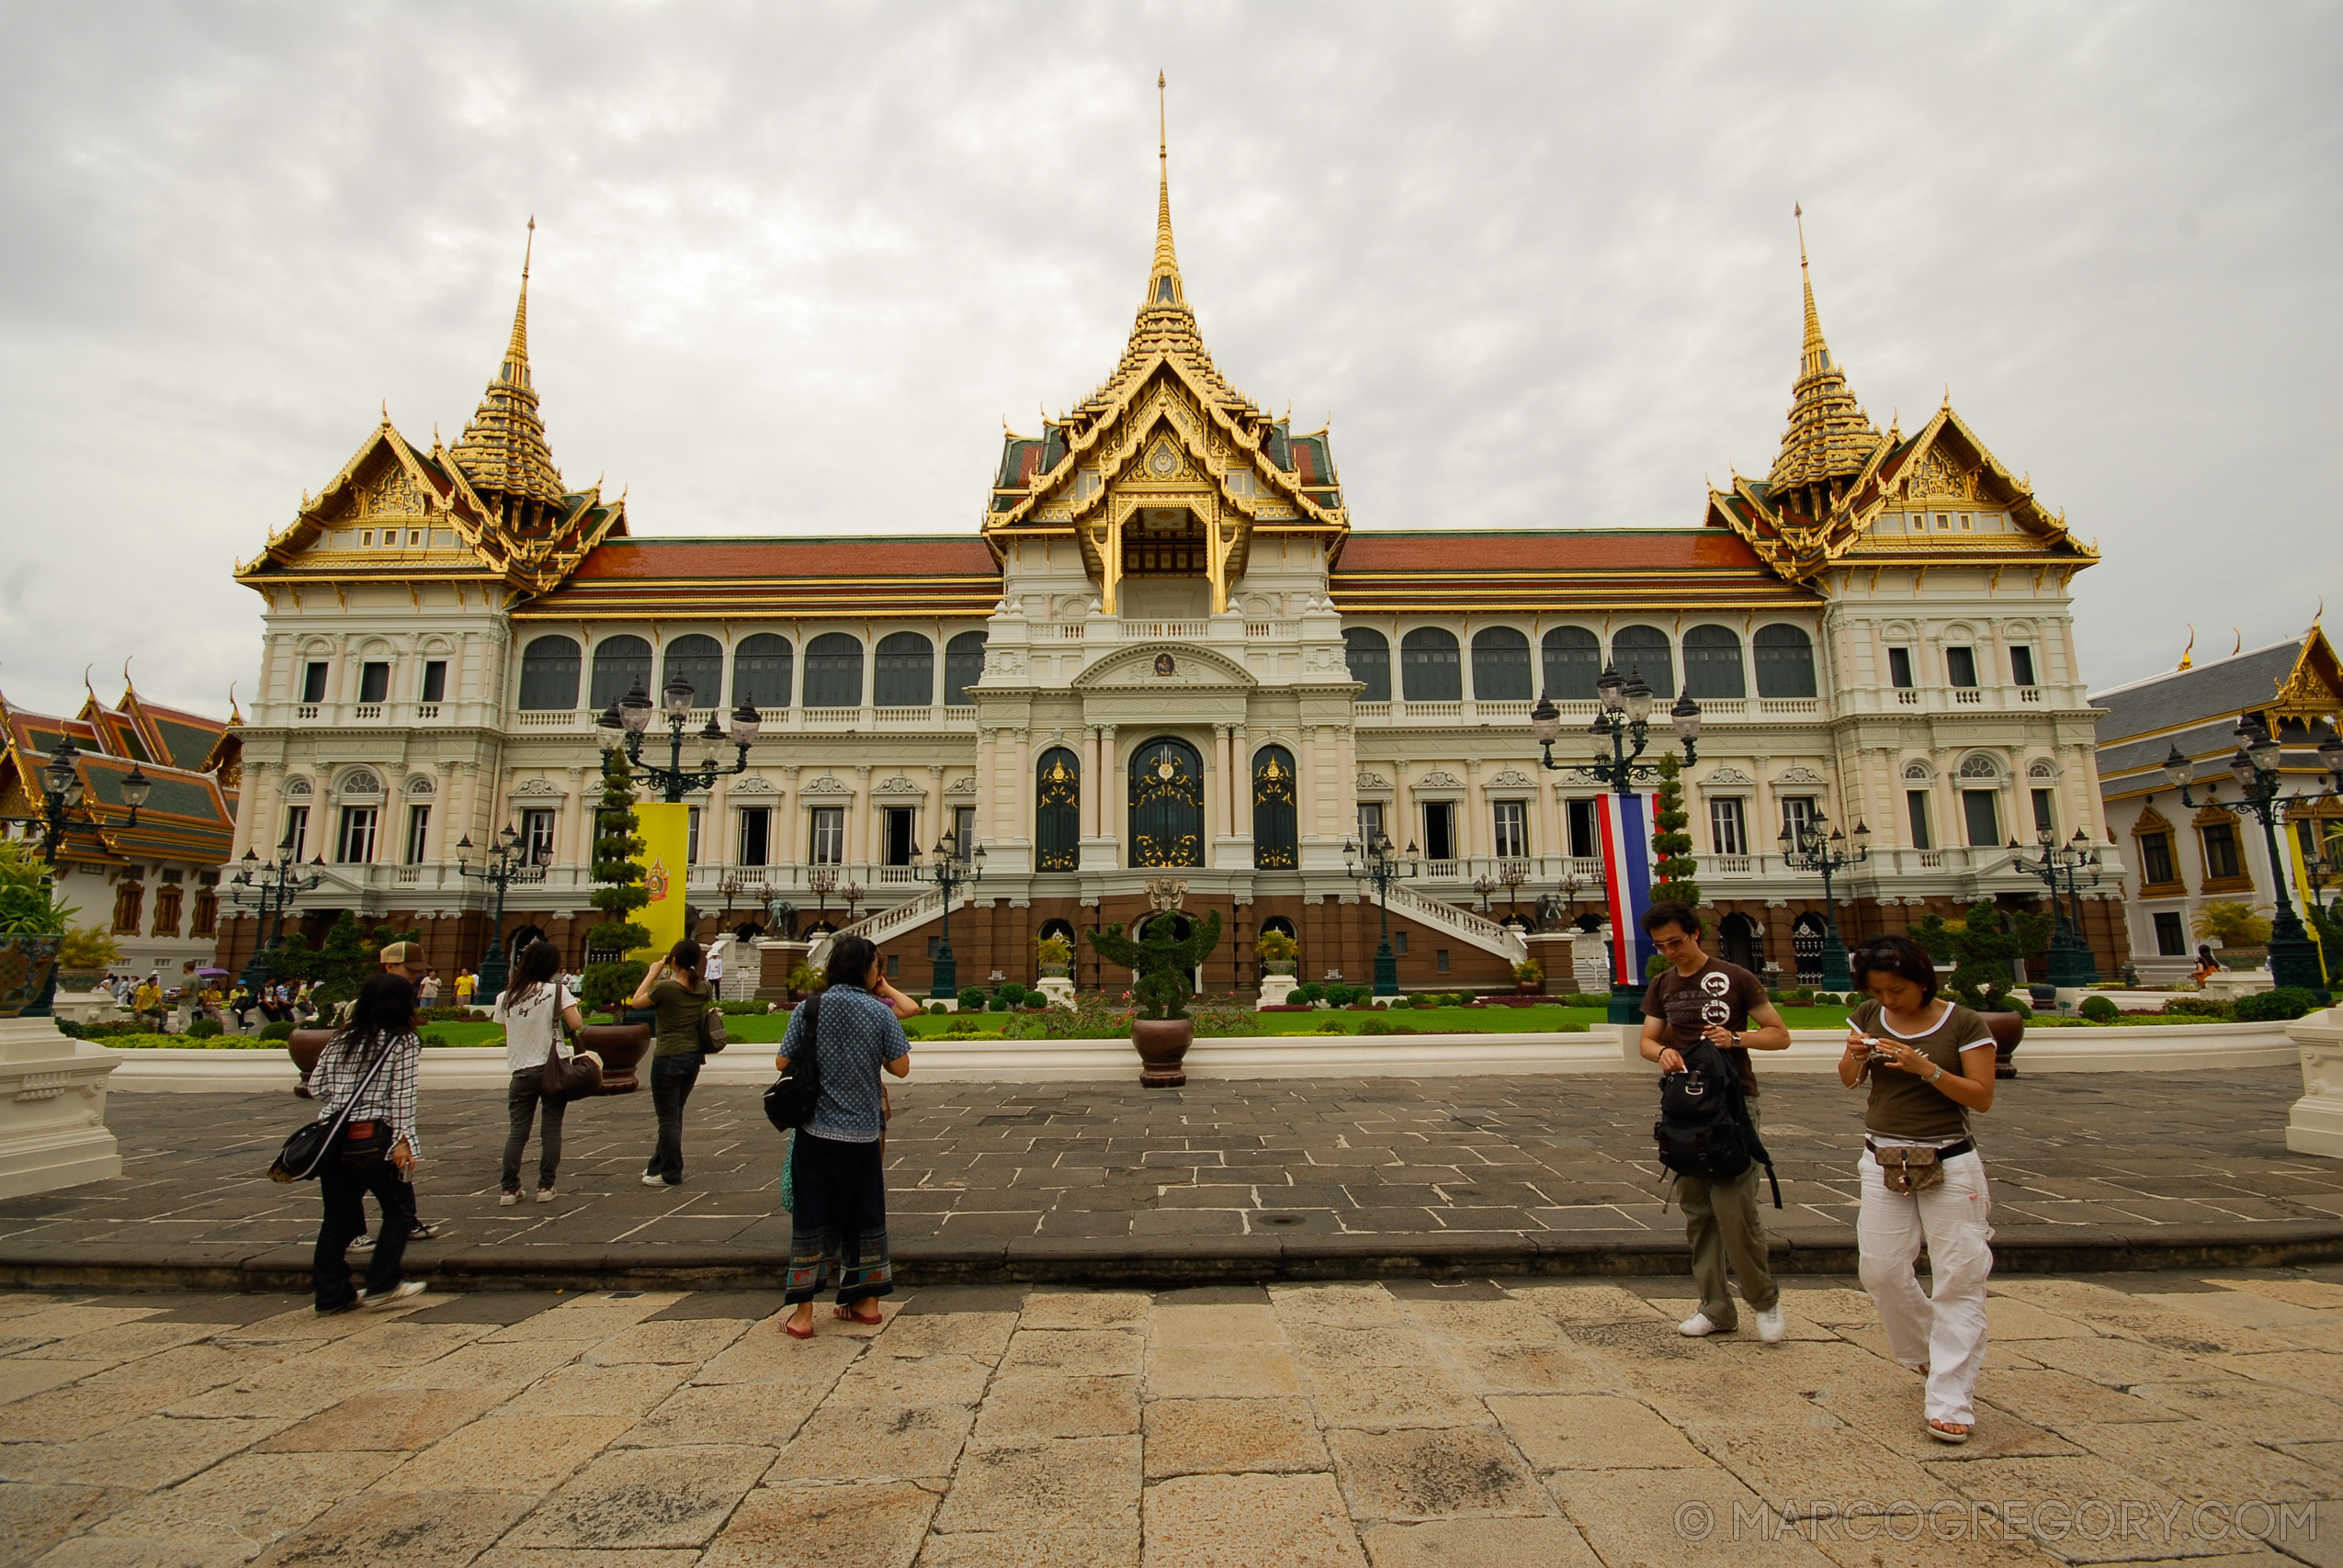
{"x": 2008, "y": 1029}
{"x": 79, "y": 979}
{"x": 26, "y": 965}
{"x": 621, "y": 1047}
{"x": 1529, "y": 988}
{"x": 305, "y": 1046}
{"x": 1162, "y": 1045}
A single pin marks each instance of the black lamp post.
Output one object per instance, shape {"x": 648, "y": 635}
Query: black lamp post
{"x": 2294, "y": 957}
{"x": 1384, "y": 865}
{"x": 822, "y": 879}
{"x": 505, "y": 865}
{"x": 2071, "y": 962}
{"x": 950, "y": 873}
{"x": 624, "y": 721}
{"x": 268, "y": 888}
{"x": 1804, "y": 848}
{"x": 64, "y": 797}
{"x": 1622, "y": 718}
{"x": 1510, "y": 875}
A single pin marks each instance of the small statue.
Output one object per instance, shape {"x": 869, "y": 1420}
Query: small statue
{"x": 1163, "y": 960}
{"x": 1549, "y": 912}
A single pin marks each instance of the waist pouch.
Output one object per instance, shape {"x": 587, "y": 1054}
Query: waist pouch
{"x": 363, "y": 1143}
{"x": 1907, "y": 1169}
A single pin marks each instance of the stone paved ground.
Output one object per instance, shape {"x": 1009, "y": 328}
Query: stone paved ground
{"x": 2141, "y": 1417}
{"x": 1021, "y": 1174}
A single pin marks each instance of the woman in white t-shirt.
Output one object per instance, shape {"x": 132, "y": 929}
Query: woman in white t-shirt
{"x": 530, "y": 1009}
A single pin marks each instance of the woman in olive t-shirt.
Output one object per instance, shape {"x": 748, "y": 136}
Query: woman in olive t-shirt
{"x": 1930, "y": 1064}
{"x": 676, "y": 991}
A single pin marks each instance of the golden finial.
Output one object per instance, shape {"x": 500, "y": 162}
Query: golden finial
{"x": 516, "y": 353}
{"x": 2320, "y": 614}
{"x": 1163, "y": 279}
{"x": 2240, "y": 647}
{"x": 126, "y": 675}
{"x": 235, "y": 714}
{"x": 2187, "y": 654}
{"x": 386, "y": 411}
{"x": 85, "y": 685}
{"x": 1948, "y": 395}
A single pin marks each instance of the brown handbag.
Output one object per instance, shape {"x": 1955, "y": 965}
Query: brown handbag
{"x": 567, "y": 1077}
{"x": 712, "y": 1037}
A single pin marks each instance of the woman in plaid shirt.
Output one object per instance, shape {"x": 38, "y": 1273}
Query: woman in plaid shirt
{"x": 378, "y": 1145}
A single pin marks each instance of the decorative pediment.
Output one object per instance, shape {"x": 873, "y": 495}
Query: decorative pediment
{"x": 538, "y": 789}
{"x": 2314, "y": 688}
{"x": 967, "y": 787}
{"x": 1162, "y": 667}
{"x": 898, "y": 787}
{"x": 2042, "y": 768}
{"x": 1512, "y": 778}
{"x": 1916, "y": 772}
{"x": 753, "y": 784}
{"x": 824, "y": 785}
{"x": 1801, "y": 776}
{"x": 419, "y": 783}
{"x": 1727, "y": 776}
{"x": 2151, "y": 821}
{"x": 1372, "y": 782}
{"x": 1440, "y": 778}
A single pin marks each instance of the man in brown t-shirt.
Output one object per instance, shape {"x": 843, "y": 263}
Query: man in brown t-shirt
{"x": 1701, "y": 997}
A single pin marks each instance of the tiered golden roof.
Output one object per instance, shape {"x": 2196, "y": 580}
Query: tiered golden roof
{"x": 1829, "y": 436}
{"x": 503, "y": 450}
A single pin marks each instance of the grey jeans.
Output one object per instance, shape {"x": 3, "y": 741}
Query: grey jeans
{"x": 1721, "y": 1222}
{"x": 528, "y": 1093}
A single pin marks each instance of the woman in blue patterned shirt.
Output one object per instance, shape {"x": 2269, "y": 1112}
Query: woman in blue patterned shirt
{"x": 840, "y": 1221}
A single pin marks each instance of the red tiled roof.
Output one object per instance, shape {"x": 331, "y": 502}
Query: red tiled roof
{"x": 670, "y": 559}
{"x": 1704, "y": 549}
{"x": 875, "y": 577}
{"x": 1555, "y": 569}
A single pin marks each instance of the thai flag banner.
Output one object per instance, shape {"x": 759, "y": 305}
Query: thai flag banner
{"x": 1628, "y": 823}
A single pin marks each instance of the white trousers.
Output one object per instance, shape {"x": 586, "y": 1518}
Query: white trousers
{"x": 1946, "y": 1330}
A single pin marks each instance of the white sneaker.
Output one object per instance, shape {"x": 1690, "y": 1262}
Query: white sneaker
{"x": 545, "y": 1194}
{"x": 650, "y": 1181}
{"x": 506, "y": 1200}
{"x": 363, "y": 1244}
{"x": 1772, "y": 1328}
{"x": 1697, "y": 1327}
{"x": 392, "y": 1296}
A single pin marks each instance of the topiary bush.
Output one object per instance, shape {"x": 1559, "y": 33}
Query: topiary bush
{"x": 1013, "y": 993}
{"x": 2098, "y": 1010}
{"x": 972, "y": 999}
{"x": 2197, "y": 1007}
{"x": 204, "y": 1029}
{"x": 2016, "y": 1005}
{"x": 2285, "y": 1003}
{"x": 999, "y": 1003}
{"x": 281, "y": 1030}
{"x": 1307, "y": 994}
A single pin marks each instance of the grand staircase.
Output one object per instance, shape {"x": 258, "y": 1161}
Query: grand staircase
{"x": 1462, "y": 924}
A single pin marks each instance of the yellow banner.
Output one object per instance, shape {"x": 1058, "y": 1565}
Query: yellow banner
{"x": 666, "y": 835}
{"x": 2301, "y": 873}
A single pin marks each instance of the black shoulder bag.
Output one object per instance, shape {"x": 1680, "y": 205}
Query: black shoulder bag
{"x": 789, "y": 1104}
{"x": 305, "y": 1152}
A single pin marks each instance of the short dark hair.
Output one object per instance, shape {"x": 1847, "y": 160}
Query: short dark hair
{"x": 850, "y": 960}
{"x": 1673, "y": 913}
{"x": 1897, "y": 956}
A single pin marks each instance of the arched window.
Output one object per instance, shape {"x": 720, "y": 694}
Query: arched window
{"x": 1167, "y": 803}
{"x": 764, "y": 668}
{"x": 1058, "y": 811}
{"x": 1643, "y": 650}
{"x": 1275, "y": 847}
{"x": 1784, "y": 662}
{"x": 1369, "y": 656}
{"x": 834, "y": 671}
{"x": 963, "y": 667}
{"x": 1500, "y": 665}
{"x": 700, "y": 660}
{"x": 1573, "y": 658}
{"x": 906, "y": 672}
{"x": 1713, "y": 663}
{"x": 550, "y": 675}
{"x": 620, "y": 664}
{"x": 1430, "y": 671}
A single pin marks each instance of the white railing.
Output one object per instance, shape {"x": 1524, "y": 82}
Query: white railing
{"x": 1968, "y": 695}
{"x": 900, "y": 875}
{"x": 832, "y": 716}
{"x": 885, "y": 925}
{"x": 1789, "y": 708}
{"x": 1729, "y": 865}
{"x": 367, "y": 710}
{"x": 2030, "y": 694}
{"x": 546, "y": 719}
{"x": 904, "y": 716}
{"x": 1508, "y": 710}
{"x": 1057, "y": 632}
{"x": 1146, "y": 631}
{"x": 1907, "y": 696}
{"x": 1487, "y": 935}
{"x": 1432, "y": 710}
{"x": 305, "y": 710}
{"x": 1931, "y": 859}
{"x": 1273, "y": 628}
{"x": 1442, "y": 870}
{"x": 1370, "y": 712}
{"x": 409, "y": 874}
{"x": 427, "y": 710}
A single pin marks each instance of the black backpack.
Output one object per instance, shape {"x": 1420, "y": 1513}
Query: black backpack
{"x": 790, "y": 1103}
{"x": 1704, "y": 1129}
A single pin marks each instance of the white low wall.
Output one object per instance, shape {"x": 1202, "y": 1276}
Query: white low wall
{"x": 1608, "y": 1048}
{"x": 2314, "y": 1126}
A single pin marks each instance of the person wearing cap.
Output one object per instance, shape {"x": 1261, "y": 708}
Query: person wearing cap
{"x": 405, "y": 960}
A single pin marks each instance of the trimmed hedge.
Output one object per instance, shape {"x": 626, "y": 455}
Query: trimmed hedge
{"x": 2100, "y": 1009}
{"x": 2285, "y": 1003}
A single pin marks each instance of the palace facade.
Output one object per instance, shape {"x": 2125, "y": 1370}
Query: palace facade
{"x": 1165, "y": 650}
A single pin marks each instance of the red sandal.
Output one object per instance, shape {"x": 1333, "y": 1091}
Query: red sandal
{"x": 794, "y": 1332}
{"x": 847, "y": 1314}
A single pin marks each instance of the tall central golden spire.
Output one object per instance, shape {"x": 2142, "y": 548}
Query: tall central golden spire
{"x": 1829, "y": 436}
{"x": 515, "y": 367}
{"x": 1163, "y": 288}
{"x": 502, "y": 451}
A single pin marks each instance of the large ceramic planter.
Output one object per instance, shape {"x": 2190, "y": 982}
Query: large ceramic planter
{"x": 1529, "y": 988}
{"x": 1280, "y": 965}
{"x": 26, "y": 964}
{"x": 1162, "y": 1045}
{"x": 2008, "y": 1029}
{"x": 305, "y": 1046}
{"x": 621, "y": 1047}
{"x": 79, "y": 979}
{"x": 1055, "y": 971}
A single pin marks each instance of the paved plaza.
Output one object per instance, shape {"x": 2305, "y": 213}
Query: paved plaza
{"x": 1230, "y": 1180}
{"x": 1493, "y": 1422}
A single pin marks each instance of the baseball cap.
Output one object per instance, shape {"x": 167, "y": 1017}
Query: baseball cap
{"x": 403, "y": 953}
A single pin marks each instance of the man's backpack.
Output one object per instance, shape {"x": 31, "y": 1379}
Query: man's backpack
{"x": 1704, "y": 1129}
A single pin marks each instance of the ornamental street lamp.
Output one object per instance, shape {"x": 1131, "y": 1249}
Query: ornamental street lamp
{"x": 268, "y": 889}
{"x": 822, "y": 879}
{"x": 507, "y": 864}
{"x": 1804, "y": 848}
{"x": 64, "y": 798}
{"x": 1483, "y": 885}
{"x": 950, "y": 872}
{"x": 2294, "y": 957}
{"x": 2071, "y": 961}
{"x": 1621, "y": 717}
{"x": 1510, "y": 875}
{"x": 624, "y": 721}
{"x": 1384, "y": 866}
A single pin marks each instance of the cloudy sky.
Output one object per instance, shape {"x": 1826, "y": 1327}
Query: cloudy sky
{"x": 795, "y": 266}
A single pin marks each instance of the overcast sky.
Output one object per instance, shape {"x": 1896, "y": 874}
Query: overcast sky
{"x": 795, "y": 266}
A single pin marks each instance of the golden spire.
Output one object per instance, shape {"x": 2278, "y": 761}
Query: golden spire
{"x": 502, "y": 451}
{"x": 1163, "y": 280}
{"x": 1829, "y": 435}
{"x": 2189, "y": 654}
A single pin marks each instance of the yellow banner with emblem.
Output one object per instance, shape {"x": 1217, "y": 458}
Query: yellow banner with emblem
{"x": 666, "y": 836}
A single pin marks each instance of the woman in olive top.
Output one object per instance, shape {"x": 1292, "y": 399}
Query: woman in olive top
{"x": 676, "y": 992}
{"x": 1929, "y": 1063}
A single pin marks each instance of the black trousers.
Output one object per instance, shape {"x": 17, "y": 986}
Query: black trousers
{"x": 670, "y": 1085}
{"x": 344, "y": 1187}
{"x": 527, "y": 1092}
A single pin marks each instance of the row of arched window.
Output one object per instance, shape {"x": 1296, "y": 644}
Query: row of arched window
{"x": 1431, "y": 663}
{"x": 764, "y": 672}
{"x": 1166, "y": 808}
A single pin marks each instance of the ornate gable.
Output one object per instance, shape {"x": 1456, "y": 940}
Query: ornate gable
{"x": 2314, "y": 688}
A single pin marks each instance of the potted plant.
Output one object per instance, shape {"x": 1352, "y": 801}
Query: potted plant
{"x": 1161, "y": 1030}
{"x": 1529, "y": 978}
{"x": 1278, "y": 953}
{"x": 1985, "y": 947}
{"x": 33, "y": 926}
{"x": 84, "y": 957}
{"x": 1056, "y": 956}
{"x": 610, "y": 976}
